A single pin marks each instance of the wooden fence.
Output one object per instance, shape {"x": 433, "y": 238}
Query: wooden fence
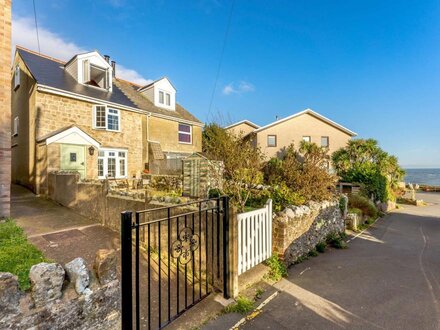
{"x": 254, "y": 237}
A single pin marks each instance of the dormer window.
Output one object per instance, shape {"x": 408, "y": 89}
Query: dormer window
{"x": 164, "y": 98}
{"x": 161, "y": 92}
{"x": 91, "y": 69}
{"x": 96, "y": 76}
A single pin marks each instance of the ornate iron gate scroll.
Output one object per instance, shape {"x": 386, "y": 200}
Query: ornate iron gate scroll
{"x": 180, "y": 256}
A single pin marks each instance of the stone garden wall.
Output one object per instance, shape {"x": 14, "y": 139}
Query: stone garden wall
{"x": 95, "y": 201}
{"x": 64, "y": 298}
{"x": 297, "y": 229}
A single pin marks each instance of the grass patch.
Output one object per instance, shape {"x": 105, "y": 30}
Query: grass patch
{"x": 242, "y": 305}
{"x": 336, "y": 240}
{"x": 277, "y": 270}
{"x": 17, "y": 255}
{"x": 320, "y": 247}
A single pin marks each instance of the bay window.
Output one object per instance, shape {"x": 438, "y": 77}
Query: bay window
{"x": 112, "y": 163}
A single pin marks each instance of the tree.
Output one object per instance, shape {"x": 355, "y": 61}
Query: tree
{"x": 363, "y": 161}
{"x": 242, "y": 162}
{"x": 304, "y": 171}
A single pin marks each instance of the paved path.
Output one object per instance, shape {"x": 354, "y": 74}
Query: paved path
{"x": 388, "y": 278}
{"x": 59, "y": 232}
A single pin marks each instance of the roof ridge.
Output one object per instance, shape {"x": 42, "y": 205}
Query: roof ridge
{"x": 129, "y": 82}
{"x": 63, "y": 62}
{"x": 39, "y": 54}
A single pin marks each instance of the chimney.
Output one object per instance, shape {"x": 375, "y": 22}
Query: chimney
{"x": 107, "y": 58}
{"x": 114, "y": 68}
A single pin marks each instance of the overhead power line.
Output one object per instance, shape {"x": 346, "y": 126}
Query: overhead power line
{"x": 36, "y": 27}
{"x": 221, "y": 58}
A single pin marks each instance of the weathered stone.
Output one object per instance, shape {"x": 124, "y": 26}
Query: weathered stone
{"x": 105, "y": 265}
{"x": 9, "y": 293}
{"x": 78, "y": 274}
{"x": 46, "y": 282}
{"x": 298, "y": 229}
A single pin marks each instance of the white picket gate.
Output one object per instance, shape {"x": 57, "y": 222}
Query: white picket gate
{"x": 254, "y": 237}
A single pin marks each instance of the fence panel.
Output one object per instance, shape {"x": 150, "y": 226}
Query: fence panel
{"x": 254, "y": 237}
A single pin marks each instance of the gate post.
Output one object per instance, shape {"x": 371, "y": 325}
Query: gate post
{"x": 126, "y": 271}
{"x": 226, "y": 252}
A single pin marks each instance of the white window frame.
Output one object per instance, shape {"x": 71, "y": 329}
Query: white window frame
{"x": 15, "y": 128}
{"x": 163, "y": 97}
{"x": 17, "y": 77}
{"x": 271, "y": 136}
{"x": 117, "y": 158}
{"x": 186, "y": 133}
{"x": 307, "y": 138}
{"x": 117, "y": 114}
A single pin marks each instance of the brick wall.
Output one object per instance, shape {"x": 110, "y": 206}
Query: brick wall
{"x": 5, "y": 107}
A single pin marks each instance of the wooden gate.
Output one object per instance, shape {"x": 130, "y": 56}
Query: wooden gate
{"x": 254, "y": 237}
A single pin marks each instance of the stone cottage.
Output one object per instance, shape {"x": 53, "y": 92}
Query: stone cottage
{"x": 78, "y": 116}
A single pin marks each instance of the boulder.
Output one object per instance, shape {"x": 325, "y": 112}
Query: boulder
{"x": 105, "y": 266}
{"x": 46, "y": 282}
{"x": 78, "y": 274}
{"x": 9, "y": 293}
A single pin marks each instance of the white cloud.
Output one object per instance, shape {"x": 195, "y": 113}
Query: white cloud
{"x": 52, "y": 44}
{"x": 240, "y": 88}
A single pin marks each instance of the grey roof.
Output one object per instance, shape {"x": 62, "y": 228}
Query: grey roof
{"x": 50, "y": 72}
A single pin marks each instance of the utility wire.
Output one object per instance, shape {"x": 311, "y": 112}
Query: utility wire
{"x": 221, "y": 58}
{"x": 36, "y": 27}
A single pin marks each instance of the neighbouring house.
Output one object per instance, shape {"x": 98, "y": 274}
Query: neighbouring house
{"x": 78, "y": 116}
{"x": 242, "y": 128}
{"x": 306, "y": 125}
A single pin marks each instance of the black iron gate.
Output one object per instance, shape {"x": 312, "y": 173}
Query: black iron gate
{"x": 180, "y": 257}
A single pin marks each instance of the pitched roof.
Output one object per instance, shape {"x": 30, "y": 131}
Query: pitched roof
{"x": 141, "y": 102}
{"x": 312, "y": 113}
{"x": 243, "y": 122}
{"x": 50, "y": 72}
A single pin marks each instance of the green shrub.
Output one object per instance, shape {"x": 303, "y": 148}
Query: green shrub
{"x": 17, "y": 255}
{"x": 336, "y": 240}
{"x": 364, "y": 204}
{"x": 258, "y": 198}
{"x": 355, "y": 211}
{"x": 282, "y": 196}
{"x": 342, "y": 204}
{"x": 313, "y": 253}
{"x": 214, "y": 193}
{"x": 320, "y": 247}
{"x": 242, "y": 305}
{"x": 259, "y": 293}
{"x": 302, "y": 258}
{"x": 277, "y": 270}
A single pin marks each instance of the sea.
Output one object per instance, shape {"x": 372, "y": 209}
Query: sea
{"x": 425, "y": 176}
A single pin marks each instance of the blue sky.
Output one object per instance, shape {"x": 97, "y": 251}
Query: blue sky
{"x": 373, "y": 66}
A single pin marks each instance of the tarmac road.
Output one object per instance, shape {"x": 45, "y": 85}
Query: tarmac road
{"x": 388, "y": 278}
